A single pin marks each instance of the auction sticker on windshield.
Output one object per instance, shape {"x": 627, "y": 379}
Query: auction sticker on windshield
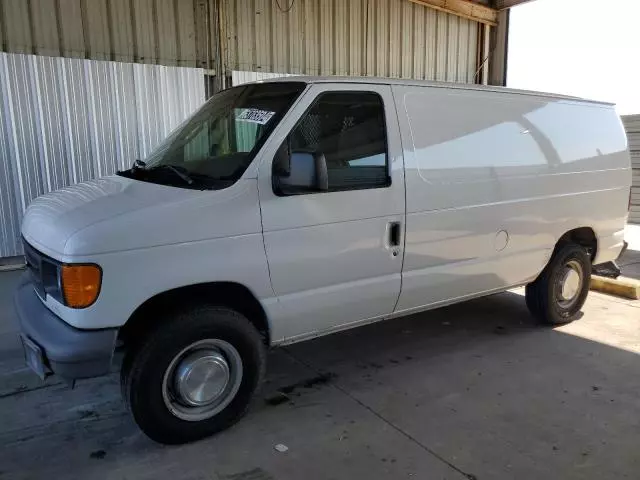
{"x": 255, "y": 115}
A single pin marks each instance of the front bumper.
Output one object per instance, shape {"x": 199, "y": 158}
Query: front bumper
{"x": 68, "y": 352}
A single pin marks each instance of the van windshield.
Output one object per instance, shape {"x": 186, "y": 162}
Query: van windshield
{"x": 214, "y": 147}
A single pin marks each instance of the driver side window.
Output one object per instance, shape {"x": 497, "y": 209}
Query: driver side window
{"x": 349, "y": 129}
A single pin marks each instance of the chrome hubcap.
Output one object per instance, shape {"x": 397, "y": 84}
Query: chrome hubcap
{"x": 202, "y": 379}
{"x": 569, "y": 283}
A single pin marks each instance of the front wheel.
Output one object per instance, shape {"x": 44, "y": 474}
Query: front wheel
{"x": 558, "y": 294}
{"x": 194, "y": 375}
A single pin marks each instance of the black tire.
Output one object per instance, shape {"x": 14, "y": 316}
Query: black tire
{"x": 543, "y": 295}
{"x": 144, "y": 367}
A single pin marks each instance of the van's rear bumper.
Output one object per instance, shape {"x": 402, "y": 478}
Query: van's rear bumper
{"x": 66, "y": 351}
{"x": 610, "y": 248}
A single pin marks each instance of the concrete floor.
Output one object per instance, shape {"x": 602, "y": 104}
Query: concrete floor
{"x": 470, "y": 391}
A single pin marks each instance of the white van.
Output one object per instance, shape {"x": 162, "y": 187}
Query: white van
{"x": 294, "y": 208}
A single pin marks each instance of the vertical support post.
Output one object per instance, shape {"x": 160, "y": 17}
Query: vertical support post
{"x": 486, "y": 53}
{"x": 202, "y": 33}
{"x": 210, "y": 43}
{"x": 221, "y": 44}
{"x": 499, "y": 49}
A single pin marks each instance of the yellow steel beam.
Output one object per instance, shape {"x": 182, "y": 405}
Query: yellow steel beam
{"x": 463, "y": 8}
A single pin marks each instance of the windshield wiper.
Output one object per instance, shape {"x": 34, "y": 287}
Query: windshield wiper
{"x": 137, "y": 166}
{"x": 186, "y": 178}
{"x": 141, "y": 171}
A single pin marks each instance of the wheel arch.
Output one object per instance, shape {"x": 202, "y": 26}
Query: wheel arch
{"x": 228, "y": 294}
{"x": 583, "y": 236}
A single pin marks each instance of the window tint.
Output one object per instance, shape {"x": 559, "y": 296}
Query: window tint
{"x": 348, "y": 128}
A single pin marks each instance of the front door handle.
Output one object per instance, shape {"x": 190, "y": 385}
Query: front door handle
{"x": 394, "y": 234}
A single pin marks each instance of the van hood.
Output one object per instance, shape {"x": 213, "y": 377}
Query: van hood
{"x": 117, "y": 213}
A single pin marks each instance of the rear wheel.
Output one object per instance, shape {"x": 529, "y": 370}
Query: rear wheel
{"x": 558, "y": 294}
{"x": 194, "y": 375}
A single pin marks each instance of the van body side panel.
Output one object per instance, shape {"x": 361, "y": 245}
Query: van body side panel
{"x": 494, "y": 179}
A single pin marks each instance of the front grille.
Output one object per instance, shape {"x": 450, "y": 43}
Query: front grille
{"x": 42, "y": 269}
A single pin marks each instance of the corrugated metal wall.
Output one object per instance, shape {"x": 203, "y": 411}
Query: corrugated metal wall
{"x": 632, "y": 126}
{"x": 386, "y": 38}
{"x": 141, "y": 31}
{"x": 238, "y": 78}
{"x": 63, "y": 121}
{"x": 389, "y": 38}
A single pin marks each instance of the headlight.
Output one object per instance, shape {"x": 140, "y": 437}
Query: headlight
{"x": 80, "y": 284}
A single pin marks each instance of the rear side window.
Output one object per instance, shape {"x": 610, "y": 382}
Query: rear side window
{"x": 348, "y": 128}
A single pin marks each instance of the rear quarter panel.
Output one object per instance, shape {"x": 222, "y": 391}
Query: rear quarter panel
{"x": 482, "y": 163}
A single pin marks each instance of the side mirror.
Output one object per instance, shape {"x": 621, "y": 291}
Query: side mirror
{"x": 305, "y": 173}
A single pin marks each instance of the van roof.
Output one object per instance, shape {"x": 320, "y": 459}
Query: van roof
{"x": 425, "y": 83}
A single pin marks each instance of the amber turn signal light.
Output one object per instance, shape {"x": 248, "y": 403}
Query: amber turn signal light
{"x": 80, "y": 284}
